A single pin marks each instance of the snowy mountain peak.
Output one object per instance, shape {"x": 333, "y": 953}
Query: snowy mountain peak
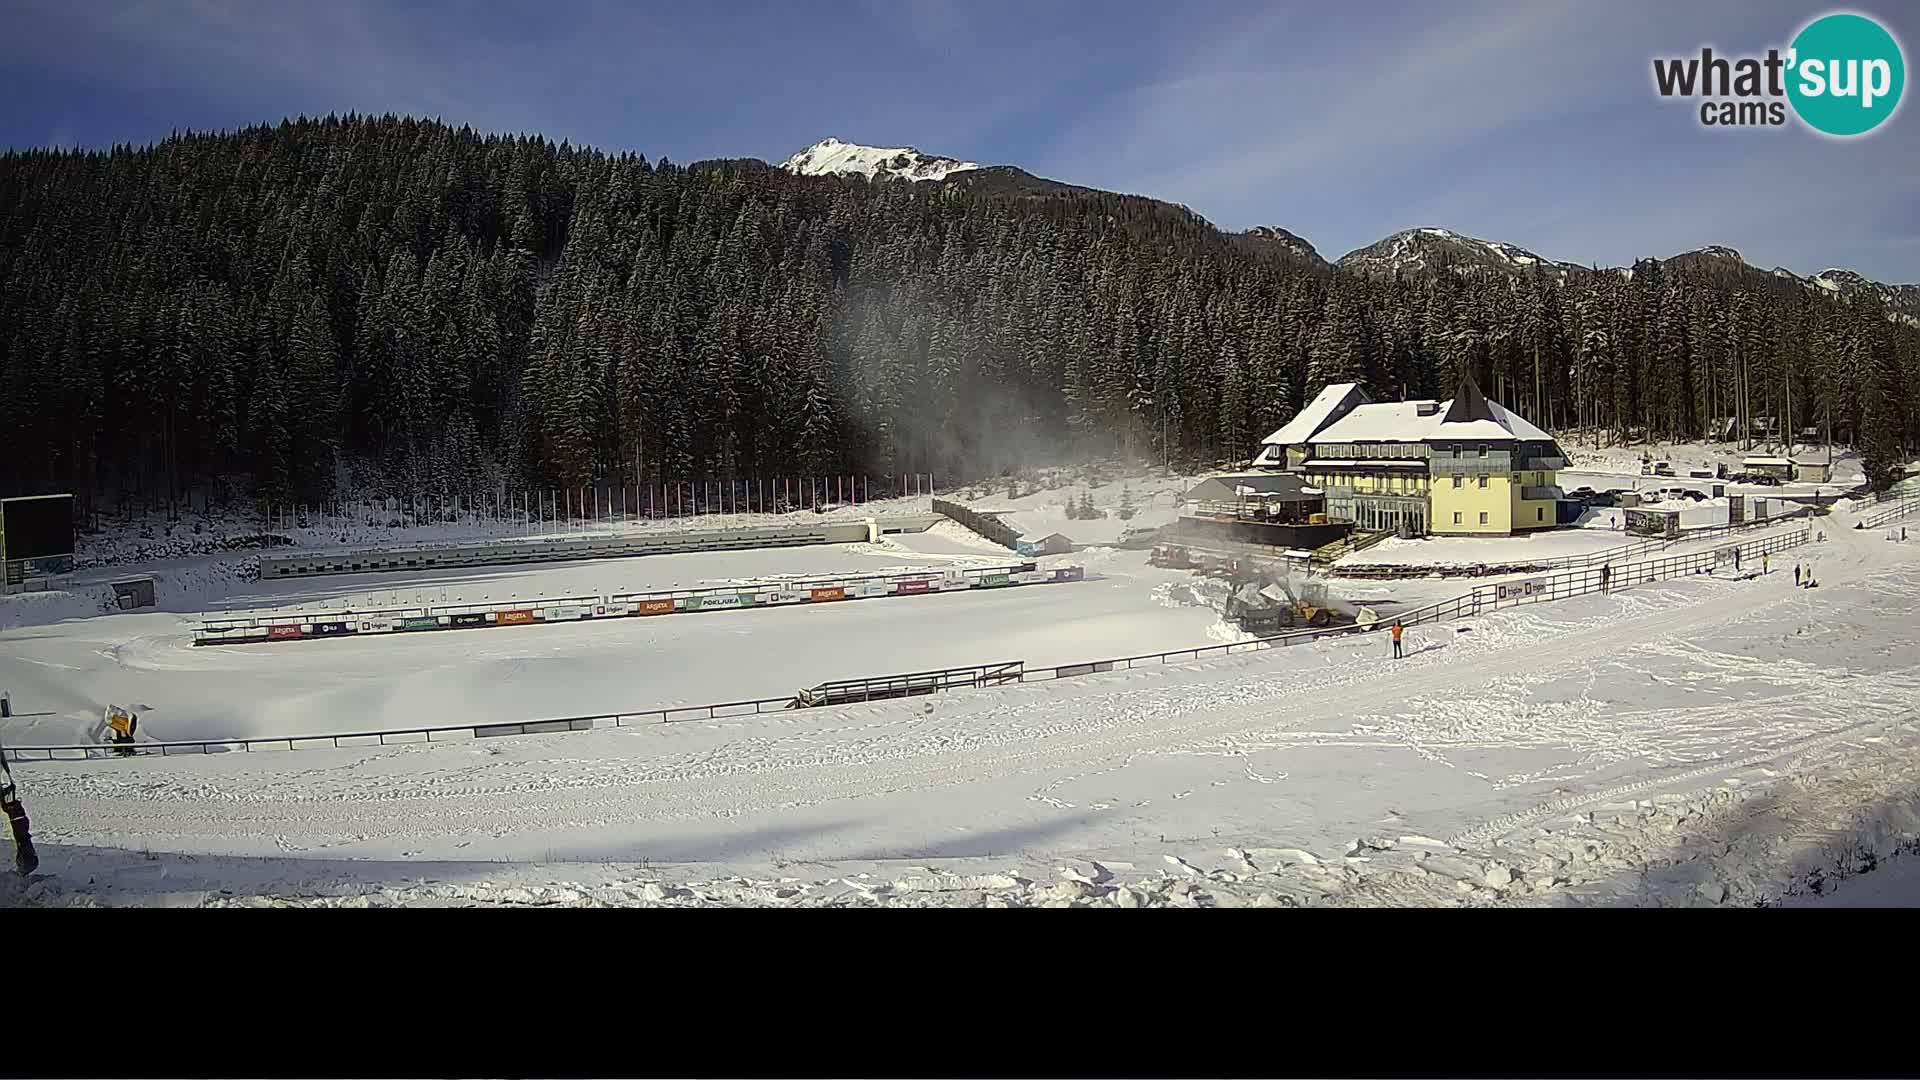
{"x": 833, "y": 157}
{"x": 1712, "y": 251}
{"x": 1428, "y": 248}
{"x": 1276, "y": 235}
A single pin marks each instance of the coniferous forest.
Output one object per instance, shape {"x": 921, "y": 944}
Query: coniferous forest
{"x": 392, "y": 305}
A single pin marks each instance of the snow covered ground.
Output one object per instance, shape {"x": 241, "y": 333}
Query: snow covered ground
{"x": 1697, "y": 741}
{"x": 1043, "y": 513}
{"x": 63, "y": 660}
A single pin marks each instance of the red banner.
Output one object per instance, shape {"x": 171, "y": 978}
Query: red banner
{"x": 910, "y": 586}
{"x": 281, "y": 633}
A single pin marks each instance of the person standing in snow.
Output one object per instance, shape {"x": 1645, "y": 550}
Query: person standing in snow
{"x": 1606, "y": 578}
{"x": 1766, "y": 560}
{"x": 1796, "y": 574}
{"x": 1397, "y": 630}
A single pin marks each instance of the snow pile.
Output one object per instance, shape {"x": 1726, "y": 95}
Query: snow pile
{"x": 52, "y": 606}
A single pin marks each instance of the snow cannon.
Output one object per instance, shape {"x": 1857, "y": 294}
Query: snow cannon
{"x": 121, "y": 724}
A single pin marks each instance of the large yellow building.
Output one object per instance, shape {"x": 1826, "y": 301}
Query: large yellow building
{"x": 1467, "y": 466}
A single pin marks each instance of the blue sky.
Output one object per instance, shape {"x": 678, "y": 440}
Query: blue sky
{"x": 1532, "y": 122}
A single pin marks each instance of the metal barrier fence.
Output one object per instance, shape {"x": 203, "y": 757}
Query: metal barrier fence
{"x": 1890, "y": 514}
{"x": 992, "y": 528}
{"x": 912, "y": 684}
{"x": 1613, "y": 554}
{"x": 1482, "y": 599}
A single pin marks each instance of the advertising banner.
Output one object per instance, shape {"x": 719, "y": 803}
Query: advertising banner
{"x": 468, "y": 618}
{"x": 835, "y": 593}
{"x": 323, "y": 629}
{"x": 282, "y": 633}
{"x": 511, "y": 618}
{"x": 420, "y": 622}
{"x": 656, "y": 607}
{"x": 915, "y": 586}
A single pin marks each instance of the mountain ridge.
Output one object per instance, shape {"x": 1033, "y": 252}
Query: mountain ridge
{"x": 1417, "y": 250}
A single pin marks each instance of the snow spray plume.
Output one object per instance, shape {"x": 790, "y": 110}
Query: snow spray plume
{"x": 924, "y": 399}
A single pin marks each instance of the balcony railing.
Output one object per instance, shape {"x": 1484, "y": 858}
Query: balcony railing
{"x": 1549, "y": 492}
{"x": 1492, "y": 463}
{"x": 1544, "y": 463}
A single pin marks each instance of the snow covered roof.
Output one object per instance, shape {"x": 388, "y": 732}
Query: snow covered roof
{"x": 1325, "y": 407}
{"x": 1766, "y": 461}
{"x": 1468, "y": 416}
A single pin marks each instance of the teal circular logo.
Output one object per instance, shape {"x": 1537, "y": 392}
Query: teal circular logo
{"x": 1845, "y": 74}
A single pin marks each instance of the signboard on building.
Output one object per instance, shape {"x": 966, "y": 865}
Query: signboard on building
{"x": 36, "y": 538}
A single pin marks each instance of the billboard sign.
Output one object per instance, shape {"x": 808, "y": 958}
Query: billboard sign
{"x": 36, "y": 537}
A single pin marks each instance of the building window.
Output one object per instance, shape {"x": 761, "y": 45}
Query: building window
{"x": 1483, "y": 449}
{"x": 1483, "y": 517}
{"x": 1483, "y": 481}
{"x": 1456, "y": 481}
{"x": 1456, "y": 517}
{"x": 1539, "y": 513}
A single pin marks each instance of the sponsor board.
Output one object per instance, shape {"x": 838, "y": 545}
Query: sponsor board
{"x": 1517, "y": 589}
{"x": 655, "y": 607}
{"x": 468, "y": 618}
{"x": 561, "y": 614}
{"x": 510, "y": 618}
{"x": 415, "y": 622}
{"x": 709, "y": 602}
{"x": 1070, "y": 573}
{"x": 915, "y": 586}
{"x": 818, "y": 595}
{"x": 323, "y": 629}
{"x": 282, "y": 633}
{"x": 993, "y": 580}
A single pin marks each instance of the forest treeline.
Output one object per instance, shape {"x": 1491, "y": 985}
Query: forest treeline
{"x": 381, "y": 304}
